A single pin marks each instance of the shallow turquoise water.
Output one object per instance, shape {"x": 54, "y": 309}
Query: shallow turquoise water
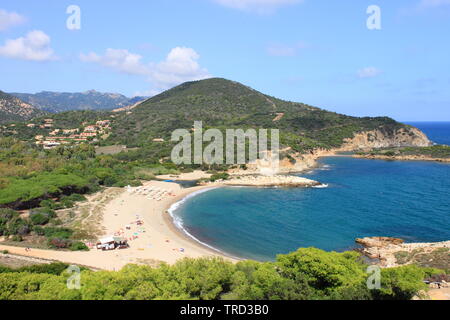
{"x": 410, "y": 200}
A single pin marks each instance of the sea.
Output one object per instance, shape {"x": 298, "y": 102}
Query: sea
{"x": 358, "y": 198}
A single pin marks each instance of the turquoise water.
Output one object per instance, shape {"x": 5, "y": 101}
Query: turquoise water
{"x": 409, "y": 200}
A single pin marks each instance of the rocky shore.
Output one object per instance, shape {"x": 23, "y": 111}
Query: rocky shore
{"x": 271, "y": 181}
{"x": 402, "y": 158}
{"x": 392, "y": 252}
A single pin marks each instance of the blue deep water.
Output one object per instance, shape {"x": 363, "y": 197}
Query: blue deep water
{"x": 364, "y": 198}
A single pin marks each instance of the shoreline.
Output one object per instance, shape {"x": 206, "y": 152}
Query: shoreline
{"x": 161, "y": 231}
{"x": 402, "y": 158}
{"x": 182, "y": 232}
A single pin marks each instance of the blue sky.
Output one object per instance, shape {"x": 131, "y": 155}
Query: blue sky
{"x": 318, "y": 52}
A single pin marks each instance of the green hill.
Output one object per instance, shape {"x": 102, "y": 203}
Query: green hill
{"x": 13, "y": 109}
{"x": 222, "y": 103}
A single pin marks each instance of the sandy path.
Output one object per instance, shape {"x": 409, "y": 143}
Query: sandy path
{"x": 157, "y": 240}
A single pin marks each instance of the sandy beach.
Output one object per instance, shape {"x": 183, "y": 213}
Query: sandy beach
{"x": 157, "y": 240}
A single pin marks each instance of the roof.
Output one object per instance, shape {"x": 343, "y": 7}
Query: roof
{"x": 107, "y": 240}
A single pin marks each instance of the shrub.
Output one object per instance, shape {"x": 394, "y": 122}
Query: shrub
{"x": 50, "y": 213}
{"x": 67, "y": 203}
{"x": 17, "y": 238}
{"x": 39, "y": 230}
{"x": 57, "y": 232}
{"x": 59, "y": 243}
{"x": 77, "y": 197}
{"x": 78, "y": 246}
{"x": 219, "y": 176}
{"x": 39, "y": 219}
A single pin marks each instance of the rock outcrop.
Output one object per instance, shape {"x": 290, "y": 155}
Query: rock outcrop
{"x": 404, "y": 137}
{"x": 392, "y": 252}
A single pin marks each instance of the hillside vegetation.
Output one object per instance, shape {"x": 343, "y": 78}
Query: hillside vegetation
{"x": 13, "y": 109}
{"x": 307, "y": 274}
{"x": 221, "y": 103}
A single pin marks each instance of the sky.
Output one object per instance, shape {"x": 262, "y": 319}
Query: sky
{"x": 337, "y": 55}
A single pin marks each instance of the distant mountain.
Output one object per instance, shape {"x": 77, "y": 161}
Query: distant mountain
{"x": 64, "y": 101}
{"x": 14, "y": 109}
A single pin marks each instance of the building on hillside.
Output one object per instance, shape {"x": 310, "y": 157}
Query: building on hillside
{"x": 88, "y": 134}
{"x": 90, "y": 129}
{"x": 70, "y": 131}
{"x": 55, "y": 132}
{"x": 31, "y": 125}
{"x": 103, "y": 123}
{"x": 51, "y": 145}
{"x": 158, "y": 140}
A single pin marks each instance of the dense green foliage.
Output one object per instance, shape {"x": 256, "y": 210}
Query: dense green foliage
{"x": 31, "y": 177}
{"x": 221, "y": 103}
{"x": 305, "y": 274}
{"x": 56, "y": 268}
{"x": 13, "y": 225}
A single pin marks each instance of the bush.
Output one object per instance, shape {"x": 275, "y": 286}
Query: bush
{"x": 56, "y": 268}
{"x": 50, "y": 213}
{"x": 67, "y": 203}
{"x": 401, "y": 283}
{"x": 77, "y": 197}
{"x": 39, "y": 230}
{"x": 78, "y": 246}
{"x": 5, "y": 251}
{"x": 219, "y": 176}
{"x": 59, "y": 243}
{"x": 39, "y": 219}
{"x": 57, "y": 232}
{"x": 17, "y": 238}
{"x": 50, "y": 204}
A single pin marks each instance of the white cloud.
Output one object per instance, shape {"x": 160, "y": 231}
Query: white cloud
{"x": 180, "y": 65}
{"x": 10, "y": 19}
{"x": 368, "y": 72}
{"x": 118, "y": 59}
{"x": 260, "y": 6}
{"x": 35, "y": 46}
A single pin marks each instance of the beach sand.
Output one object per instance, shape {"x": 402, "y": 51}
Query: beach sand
{"x": 158, "y": 240}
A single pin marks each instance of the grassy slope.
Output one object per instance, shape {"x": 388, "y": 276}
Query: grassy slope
{"x": 228, "y": 104}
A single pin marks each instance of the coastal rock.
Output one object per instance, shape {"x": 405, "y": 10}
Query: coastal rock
{"x": 387, "y": 250}
{"x": 270, "y": 181}
{"x": 297, "y": 162}
{"x": 379, "y": 242}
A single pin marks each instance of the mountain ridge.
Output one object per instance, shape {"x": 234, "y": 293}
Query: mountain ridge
{"x": 14, "y": 109}
{"x": 56, "y": 102}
